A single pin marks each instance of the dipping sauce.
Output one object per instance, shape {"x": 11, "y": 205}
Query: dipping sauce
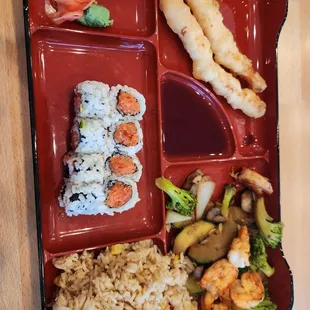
{"x": 192, "y": 127}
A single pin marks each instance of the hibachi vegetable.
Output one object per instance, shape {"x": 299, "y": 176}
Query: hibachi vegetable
{"x": 270, "y": 231}
{"x": 180, "y": 225}
{"x": 192, "y": 179}
{"x": 205, "y": 190}
{"x": 259, "y": 256}
{"x": 193, "y": 285}
{"x": 240, "y": 216}
{"x": 230, "y": 192}
{"x": 216, "y": 245}
{"x": 247, "y": 201}
{"x": 214, "y": 215}
{"x": 174, "y": 217}
{"x": 190, "y": 235}
{"x": 96, "y": 16}
{"x": 266, "y": 304}
{"x": 182, "y": 201}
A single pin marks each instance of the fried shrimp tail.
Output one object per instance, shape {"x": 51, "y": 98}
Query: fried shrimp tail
{"x": 223, "y": 45}
{"x": 184, "y": 24}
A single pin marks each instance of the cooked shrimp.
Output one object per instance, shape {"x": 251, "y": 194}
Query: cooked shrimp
{"x": 219, "y": 277}
{"x": 249, "y": 291}
{"x": 185, "y": 25}
{"x": 208, "y": 300}
{"x": 239, "y": 253}
{"x": 223, "y": 304}
{"x": 223, "y": 45}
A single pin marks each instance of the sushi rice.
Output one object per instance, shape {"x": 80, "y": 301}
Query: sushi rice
{"x": 119, "y": 115}
{"x": 90, "y": 136}
{"x": 86, "y": 168}
{"x": 82, "y": 199}
{"x": 92, "y": 100}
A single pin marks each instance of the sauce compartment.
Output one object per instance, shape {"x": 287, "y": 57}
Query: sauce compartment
{"x": 60, "y": 62}
{"x": 131, "y": 18}
{"x": 194, "y": 125}
{"x": 255, "y": 27}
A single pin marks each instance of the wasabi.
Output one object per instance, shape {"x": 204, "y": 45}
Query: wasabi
{"x": 96, "y": 16}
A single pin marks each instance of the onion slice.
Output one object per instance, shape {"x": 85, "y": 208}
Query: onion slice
{"x": 204, "y": 193}
{"x": 175, "y": 217}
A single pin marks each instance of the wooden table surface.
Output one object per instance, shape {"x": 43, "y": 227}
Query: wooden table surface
{"x": 19, "y": 278}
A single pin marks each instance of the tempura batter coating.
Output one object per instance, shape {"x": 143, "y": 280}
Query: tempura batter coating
{"x": 184, "y": 24}
{"x": 223, "y": 45}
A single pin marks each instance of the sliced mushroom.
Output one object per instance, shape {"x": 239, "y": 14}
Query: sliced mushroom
{"x": 220, "y": 219}
{"x": 214, "y": 215}
{"x": 247, "y": 201}
{"x": 194, "y": 189}
{"x": 240, "y": 217}
{"x": 198, "y": 272}
{"x": 193, "y": 178}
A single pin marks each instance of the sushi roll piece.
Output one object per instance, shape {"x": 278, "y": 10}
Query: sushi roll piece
{"x": 121, "y": 194}
{"x": 79, "y": 199}
{"x": 127, "y": 137}
{"x": 81, "y": 167}
{"x": 126, "y": 103}
{"x": 123, "y": 165}
{"x": 92, "y": 100}
{"x": 90, "y": 136}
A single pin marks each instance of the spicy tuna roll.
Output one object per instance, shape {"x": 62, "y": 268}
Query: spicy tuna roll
{"x": 123, "y": 165}
{"x": 127, "y": 137}
{"x": 79, "y": 199}
{"x": 81, "y": 167}
{"x": 90, "y": 136}
{"x": 92, "y": 99}
{"x": 126, "y": 103}
{"x": 121, "y": 194}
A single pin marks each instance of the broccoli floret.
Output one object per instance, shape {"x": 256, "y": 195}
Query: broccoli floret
{"x": 96, "y": 16}
{"x": 230, "y": 192}
{"x": 270, "y": 231}
{"x": 182, "y": 201}
{"x": 266, "y": 304}
{"x": 243, "y": 270}
{"x": 259, "y": 256}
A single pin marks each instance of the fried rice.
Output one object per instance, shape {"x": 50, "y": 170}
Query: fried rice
{"x": 127, "y": 276}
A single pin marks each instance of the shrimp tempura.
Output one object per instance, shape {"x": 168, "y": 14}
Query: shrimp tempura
{"x": 223, "y": 45}
{"x": 184, "y": 24}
